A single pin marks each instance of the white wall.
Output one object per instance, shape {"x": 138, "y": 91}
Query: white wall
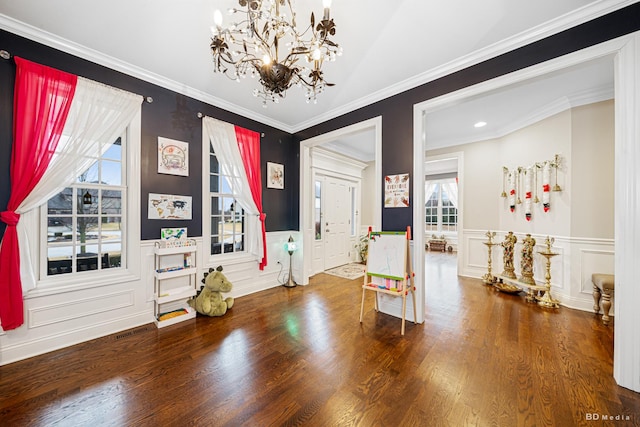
{"x": 368, "y": 195}
{"x": 581, "y": 216}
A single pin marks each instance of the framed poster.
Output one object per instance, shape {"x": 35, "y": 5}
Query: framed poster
{"x": 275, "y": 175}
{"x": 396, "y": 191}
{"x": 173, "y": 157}
{"x": 168, "y": 206}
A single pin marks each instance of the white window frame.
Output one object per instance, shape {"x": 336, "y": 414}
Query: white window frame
{"x": 439, "y": 214}
{"x": 221, "y": 258}
{"x": 130, "y": 214}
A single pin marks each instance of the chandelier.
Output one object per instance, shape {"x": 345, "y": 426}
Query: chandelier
{"x": 265, "y": 43}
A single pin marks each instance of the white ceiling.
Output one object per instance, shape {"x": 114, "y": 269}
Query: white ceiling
{"x": 388, "y": 46}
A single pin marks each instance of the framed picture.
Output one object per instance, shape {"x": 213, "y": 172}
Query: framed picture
{"x": 396, "y": 191}
{"x": 173, "y": 157}
{"x": 275, "y": 175}
{"x": 168, "y": 206}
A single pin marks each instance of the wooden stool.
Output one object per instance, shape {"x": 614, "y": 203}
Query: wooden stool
{"x": 603, "y": 284}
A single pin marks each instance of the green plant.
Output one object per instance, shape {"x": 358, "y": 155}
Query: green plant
{"x": 363, "y": 247}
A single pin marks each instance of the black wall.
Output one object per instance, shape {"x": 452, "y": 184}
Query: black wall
{"x": 174, "y": 116}
{"x": 171, "y": 115}
{"x": 397, "y": 111}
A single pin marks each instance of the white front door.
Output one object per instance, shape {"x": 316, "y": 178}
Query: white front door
{"x": 337, "y": 216}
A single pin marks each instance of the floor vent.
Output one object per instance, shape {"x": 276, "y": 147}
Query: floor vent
{"x": 131, "y": 332}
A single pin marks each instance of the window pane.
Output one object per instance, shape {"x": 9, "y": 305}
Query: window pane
{"x": 216, "y": 247}
{"x": 59, "y": 260}
{"x": 88, "y": 229}
{"x": 226, "y": 186}
{"x": 114, "y": 152}
{"x": 214, "y": 166}
{"x": 216, "y": 205}
{"x": 111, "y": 202}
{"x": 353, "y": 211}
{"x": 214, "y": 183}
{"x": 61, "y": 203}
{"x": 111, "y": 173}
{"x": 87, "y": 200}
{"x": 216, "y": 225}
{"x": 90, "y": 175}
{"x": 318, "y": 209}
{"x": 87, "y": 258}
{"x": 59, "y": 229}
{"x": 227, "y": 216}
{"x": 111, "y": 255}
{"x": 111, "y": 229}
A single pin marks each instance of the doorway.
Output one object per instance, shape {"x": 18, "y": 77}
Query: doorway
{"x": 624, "y": 52}
{"x": 307, "y": 185}
{"x": 336, "y": 204}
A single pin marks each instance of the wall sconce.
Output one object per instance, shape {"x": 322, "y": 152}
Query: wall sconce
{"x": 87, "y": 199}
{"x": 290, "y": 247}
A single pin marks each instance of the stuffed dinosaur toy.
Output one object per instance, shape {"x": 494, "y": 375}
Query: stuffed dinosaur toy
{"x": 209, "y": 300}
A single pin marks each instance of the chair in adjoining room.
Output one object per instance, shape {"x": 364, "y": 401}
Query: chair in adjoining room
{"x": 603, "y": 285}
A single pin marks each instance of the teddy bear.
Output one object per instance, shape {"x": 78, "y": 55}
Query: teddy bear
{"x": 209, "y": 300}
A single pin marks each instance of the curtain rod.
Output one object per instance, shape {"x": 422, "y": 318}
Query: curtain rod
{"x": 6, "y": 55}
{"x": 200, "y": 115}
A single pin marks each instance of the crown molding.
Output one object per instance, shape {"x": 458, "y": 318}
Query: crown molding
{"x": 561, "y": 23}
{"x": 561, "y": 104}
{"x": 36, "y": 34}
{"x": 554, "y": 26}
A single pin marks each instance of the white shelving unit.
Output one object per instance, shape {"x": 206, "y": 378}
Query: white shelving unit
{"x": 175, "y": 281}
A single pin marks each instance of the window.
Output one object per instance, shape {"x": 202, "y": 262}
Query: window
{"x": 441, "y": 214}
{"x": 85, "y": 222}
{"x": 317, "y": 209}
{"x": 227, "y": 218}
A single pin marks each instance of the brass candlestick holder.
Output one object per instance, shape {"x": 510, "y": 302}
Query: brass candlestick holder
{"x": 547, "y": 300}
{"x": 489, "y": 278}
{"x": 556, "y": 165}
{"x": 505, "y": 171}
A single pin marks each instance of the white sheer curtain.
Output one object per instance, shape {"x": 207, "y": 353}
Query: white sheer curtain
{"x": 451, "y": 187}
{"x": 223, "y": 140}
{"x": 429, "y": 188}
{"x": 98, "y": 115}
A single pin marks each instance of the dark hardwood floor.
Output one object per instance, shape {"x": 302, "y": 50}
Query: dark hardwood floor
{"x": 300, "y": 357}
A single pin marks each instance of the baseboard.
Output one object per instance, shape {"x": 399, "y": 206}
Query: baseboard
{"x": 26, "y": 349}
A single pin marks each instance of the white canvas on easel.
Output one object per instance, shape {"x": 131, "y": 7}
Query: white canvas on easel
{"x": 389, "y": 270}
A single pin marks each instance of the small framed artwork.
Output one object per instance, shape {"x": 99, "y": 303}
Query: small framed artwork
{"x": 169, "y": 206}
{"x": 173, "y": 233}
{"x": 173, "y": 157}
{"x": 275, "y": 175}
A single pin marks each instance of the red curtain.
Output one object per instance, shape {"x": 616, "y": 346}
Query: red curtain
{"x": 249, "y": 145}
{"x": 42, "y": 99}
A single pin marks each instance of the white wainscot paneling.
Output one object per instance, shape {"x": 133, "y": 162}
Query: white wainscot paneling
{"x": 590, "y": 256}
{"x": 594, "y": 261}
{"x": 61, "y": 318}
{"x": 245, "y": 274}
{"x": 79, "y": 308}
{"x": 475, "y": 255}
{"x": 571, "y": 269}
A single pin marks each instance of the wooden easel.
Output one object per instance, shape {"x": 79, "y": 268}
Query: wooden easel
{"x": 389, "y": 269}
